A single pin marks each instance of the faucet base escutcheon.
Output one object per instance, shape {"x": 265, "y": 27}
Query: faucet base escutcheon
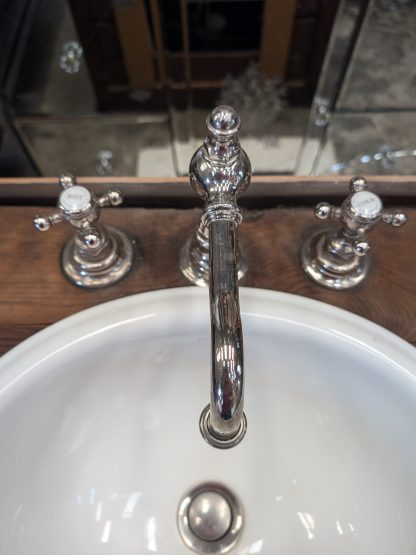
{"x": 334, "y": 270}
{"x": 194, "y": 258}
{"x": 101, "y": 266}
{"x": 214, "y": 439}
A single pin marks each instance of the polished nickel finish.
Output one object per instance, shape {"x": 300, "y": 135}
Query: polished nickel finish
{"x": 220, "y": 172}
{"x": 97, "y": 256}
{"x": 194, "y": 258}
{"x": 337, "y": 257}
{"x": 210, "y": 519}
{"x": 209, "y": 516}
{"x": 219, "y": 442}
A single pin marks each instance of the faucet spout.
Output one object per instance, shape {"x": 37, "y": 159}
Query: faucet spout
{"x": 220, "y": 171}
{"x": 227, "y": 383}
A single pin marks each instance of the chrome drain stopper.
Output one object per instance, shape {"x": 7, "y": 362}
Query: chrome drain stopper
{"x": 209, "y": 516}
{"x": 210, "y": 519}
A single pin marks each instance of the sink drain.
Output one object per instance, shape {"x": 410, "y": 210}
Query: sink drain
{"x": 210, "y": 519}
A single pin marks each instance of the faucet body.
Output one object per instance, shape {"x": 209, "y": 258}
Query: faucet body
{"x": 220, "y": 172}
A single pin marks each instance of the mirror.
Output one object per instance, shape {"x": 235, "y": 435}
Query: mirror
{"x": 122, "y": 87}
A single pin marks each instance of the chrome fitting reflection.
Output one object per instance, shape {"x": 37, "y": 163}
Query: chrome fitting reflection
{"x": 220, "y": 172}
{"x": 209, "y": 434}
{"x": 210, "y": 519}
{"x": 97, "y": 255}
{"x": 337, "y": 257}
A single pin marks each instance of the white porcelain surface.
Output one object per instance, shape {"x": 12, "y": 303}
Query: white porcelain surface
{"x": 99, "y": 433}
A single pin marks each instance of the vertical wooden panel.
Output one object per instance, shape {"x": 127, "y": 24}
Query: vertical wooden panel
{"x": 186, "y": 41}
{"x": 157, "y": 31}
{"x": 136, "y": 43}
{"x": 96, "y": 26}
{"x": 278, "y": 17}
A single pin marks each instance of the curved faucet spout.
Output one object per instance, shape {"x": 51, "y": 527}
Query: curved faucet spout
{"x": 220, "y": 171}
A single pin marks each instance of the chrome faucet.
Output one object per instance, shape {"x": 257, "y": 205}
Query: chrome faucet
{"x": 220, "y": 172}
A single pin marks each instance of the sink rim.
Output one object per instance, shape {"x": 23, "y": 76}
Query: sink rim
{"x": 281, "y": 305}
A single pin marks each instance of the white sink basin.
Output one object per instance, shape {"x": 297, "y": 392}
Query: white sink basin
{"x": 99, "y": 436}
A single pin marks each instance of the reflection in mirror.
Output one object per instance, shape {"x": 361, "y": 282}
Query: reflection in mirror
{"x": 122, "y": 87}
{"x": 371, "y": 112}
{"x": 260, "y": 56}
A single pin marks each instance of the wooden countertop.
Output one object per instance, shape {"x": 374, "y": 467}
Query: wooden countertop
{"x": 34, "y": 293}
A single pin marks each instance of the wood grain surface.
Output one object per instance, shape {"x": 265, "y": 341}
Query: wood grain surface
{"x": 264, "y": 190}
{"x": 34, "y": 293}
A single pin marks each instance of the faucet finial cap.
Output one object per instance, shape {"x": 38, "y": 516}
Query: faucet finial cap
{"x": 223, "y": 122}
